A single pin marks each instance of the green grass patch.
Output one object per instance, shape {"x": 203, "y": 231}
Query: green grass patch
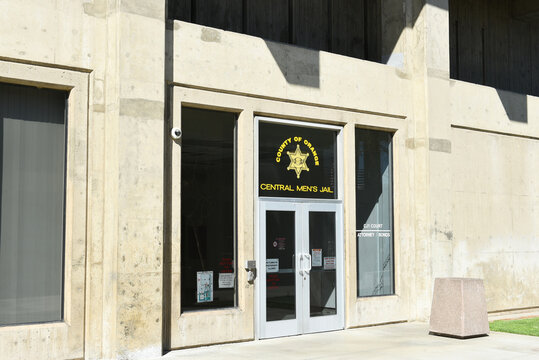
{"x": 520, "y": 326}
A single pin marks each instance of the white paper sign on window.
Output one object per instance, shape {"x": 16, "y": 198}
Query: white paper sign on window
{"x": 329, "y": 263}
{"x": 204, "y": 286}
{"x": 272, "y": 265}
{"x": 226, "y": 280}
{"x": 317, "y": 257}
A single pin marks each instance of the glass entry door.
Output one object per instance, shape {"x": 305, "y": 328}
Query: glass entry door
{"x": 300, "y": 277}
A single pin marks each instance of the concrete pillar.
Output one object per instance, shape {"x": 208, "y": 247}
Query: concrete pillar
{"x": 439, "y": 140}
{"x": 124, "y": 292}
{"x": 140, "y": 178}
{"x": 427, "y": 42}
{"x": 416, "y": 144}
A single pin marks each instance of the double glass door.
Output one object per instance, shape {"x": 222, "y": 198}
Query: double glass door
{"x": 300, "y": 278}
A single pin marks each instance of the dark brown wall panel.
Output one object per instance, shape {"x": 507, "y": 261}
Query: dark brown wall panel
{"x": 179, "y": 10}
{"x": 453, "y": 38}
{"x": 470, "y": 44}
{"x": 222, "y": 14}
{"x": 373, "y": 30}
{"x": 268, "y": 19}
{"x": 311, "y": 24}
{"x": 497, "y": 66}
{"x": 348, "y": 28}
{"x": 489, "y": 46}
{"x": 534, "y": 73}
{"x": 519, "y": 56}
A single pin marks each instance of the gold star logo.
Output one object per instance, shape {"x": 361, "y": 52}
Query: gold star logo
{"x": 297, "y": 161}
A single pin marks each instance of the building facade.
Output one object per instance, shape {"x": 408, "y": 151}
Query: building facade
{"x": 183, "y": 173}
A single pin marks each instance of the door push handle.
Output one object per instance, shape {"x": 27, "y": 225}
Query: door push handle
{"x": 303, "y": 270}
{"x": 307, "y": 271}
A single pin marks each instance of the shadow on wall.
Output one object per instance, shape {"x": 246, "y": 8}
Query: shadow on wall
{"x": 299, "y": 66}
{"x": 515, "y": 105}
{"x": 296, "y": 31}
{"x": 343, "y": 27}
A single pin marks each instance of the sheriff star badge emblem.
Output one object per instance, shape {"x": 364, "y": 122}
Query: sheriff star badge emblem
{"x": 297, "y": 161}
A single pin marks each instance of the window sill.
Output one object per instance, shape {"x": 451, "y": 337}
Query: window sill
{"x": 212, "y": 312}
{"x": 377, "y": 297}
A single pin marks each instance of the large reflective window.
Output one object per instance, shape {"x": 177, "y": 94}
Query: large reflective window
{"x": 323, "y": 274}
{"x": 208, "y": 255}
{"x": 32, "y": 174}
{"x": 280, "y": 265}
{"x": 374, "y": 213}
{"x": 296, "y": 161}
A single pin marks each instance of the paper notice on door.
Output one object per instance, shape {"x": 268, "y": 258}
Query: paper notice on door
{"x": 272, "y": 265}
{"x": 226, "y": 280}
{"x": 317, "y": 257}
{"x": 204, "y": 286}
{"x": 329, "y": 263}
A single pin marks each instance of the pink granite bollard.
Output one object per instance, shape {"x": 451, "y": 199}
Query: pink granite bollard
{"x": 459, "y": 308}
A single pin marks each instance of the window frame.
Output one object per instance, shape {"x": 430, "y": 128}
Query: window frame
{"x": 65, "y": 337}
{"x": 63, "y": 219}
{"x": 235, "y": 212}
{"x": 338, "y": 156}
{"x": 391, "y": 135}
{"x": 177, "y": 323}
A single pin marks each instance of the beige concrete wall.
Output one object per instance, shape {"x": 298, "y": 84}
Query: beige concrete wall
{"x": 226, "y": 61}
{"x": 483, "y": 188}
{"x": 62, "y": 339}
{"x": 465, "y": 161}
{"x": 32, "y": 34}
{"x": 118, "y": 46}
{"x": 139, "y": 198}
{"x": 495, "y": 193}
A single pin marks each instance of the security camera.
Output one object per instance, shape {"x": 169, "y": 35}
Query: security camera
{"x": 175, "y": 134}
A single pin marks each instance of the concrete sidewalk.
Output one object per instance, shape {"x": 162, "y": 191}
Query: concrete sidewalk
{"x": 397, "y": 341}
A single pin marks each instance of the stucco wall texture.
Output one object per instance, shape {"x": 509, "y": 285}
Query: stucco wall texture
{"x": 466, "y": 169}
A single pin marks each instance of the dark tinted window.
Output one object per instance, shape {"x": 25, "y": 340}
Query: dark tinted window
{"x": 297, "y": 161}
{"x": 280, "y": 282}
{"x": 208, "y": 259}
{"x": 323, "y": 281}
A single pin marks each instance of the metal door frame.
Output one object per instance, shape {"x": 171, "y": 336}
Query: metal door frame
{"x": 262, "y": 201}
